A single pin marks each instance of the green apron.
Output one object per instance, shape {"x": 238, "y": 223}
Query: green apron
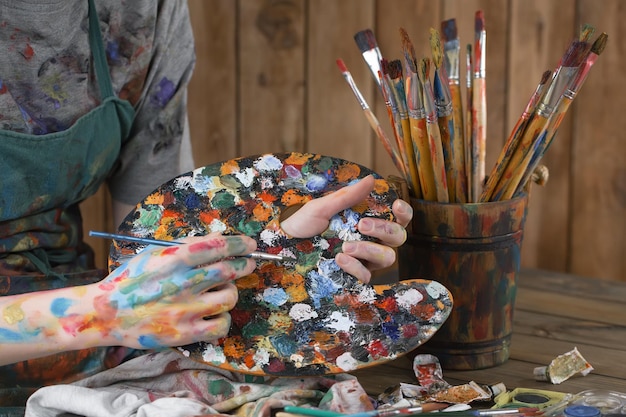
{"x": 45, "y": 177}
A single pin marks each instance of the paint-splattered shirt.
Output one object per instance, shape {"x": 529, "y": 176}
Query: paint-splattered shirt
{"x": 47, "y": 80}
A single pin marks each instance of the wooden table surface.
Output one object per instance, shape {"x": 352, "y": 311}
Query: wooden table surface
{"x": 553, "y": 313}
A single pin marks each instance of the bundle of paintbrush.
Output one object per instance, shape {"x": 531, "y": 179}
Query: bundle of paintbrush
{"x": 439, "y": 139}
{"x": 538, "y": 125}
{"x": 433, "y": 148}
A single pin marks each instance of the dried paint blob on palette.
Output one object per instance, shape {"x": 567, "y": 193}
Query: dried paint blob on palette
{"x": 302, "y": 317}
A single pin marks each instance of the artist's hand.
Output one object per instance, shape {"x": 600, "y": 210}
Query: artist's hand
{"x": 176, "y": 295}
{"x": 358, "y": 258}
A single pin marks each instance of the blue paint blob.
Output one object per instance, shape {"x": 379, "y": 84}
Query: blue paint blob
{"x": 149, "y": 342}
{"x": 320, "y": 287}
{"x": 164, "y": 91}
{"x": 284, "y": 345}
{"x": 316, "y": 183}
{"x": 192, "y": 201}
{"x": 113, "y": 51}
{"x": 328, "y": 267}
{"x": 59, "y": 306}
{"x": 390, "y": 329}
{"x": 10, "y": 336}
{"x": 275, "y": 296}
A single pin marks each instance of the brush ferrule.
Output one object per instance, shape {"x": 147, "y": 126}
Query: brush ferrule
{"x": 560, "y": 83}
{"x": 443, "y": 98}
{"x": 417, "y": 113}
{"x": 356, "y": 91}
{"x": 414, "y": 94}
{"x": 480, "y": 63}
{"x": 429, "y": 104}
{"x": 451, "y": 61}
{"x": 390, "y": 99}
{"x": 373, "y": 57}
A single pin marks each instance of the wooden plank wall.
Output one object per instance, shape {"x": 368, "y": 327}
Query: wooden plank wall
{"x": 266, "y": 81}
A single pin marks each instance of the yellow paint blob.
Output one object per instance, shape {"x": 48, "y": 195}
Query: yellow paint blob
{"x": 13, "y": 314}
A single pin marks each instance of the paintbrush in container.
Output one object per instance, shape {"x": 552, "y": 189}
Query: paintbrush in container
{"x": 393, "y": 114}
{"x": 469, "y": 79}
{"x": 417, "y": 121}
{"x": 434, "y": 135}
{"x": 371, "y": 118}
{"x": 561, "y": 78}
{"x": 397, "y": 81}
{"x": 542, "y": 145}
{"x": 513, "y": 139}
{"x": 366, "y": 41}
{"x": 479, "y": 107}
{"x": 445, "y": 117}
{"x": 159, "y": 242}
{"x": 451, "y": 65}
{"x": 403, "y": 142}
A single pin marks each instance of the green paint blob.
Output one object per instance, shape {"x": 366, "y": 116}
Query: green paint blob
{"x": 148, "y": 216}
{"x": 232, "y": 183}
{"x": 223, "y": 200}
{"x": 307, "y": 261}
{"x": 251, "y": 228}
{"x": 255, "y": 328}
{"x": 325, "y": 163}
{"x": 220, "y": 387}
{"x": 213, "y": 170}
{"x": 239, "y": 263}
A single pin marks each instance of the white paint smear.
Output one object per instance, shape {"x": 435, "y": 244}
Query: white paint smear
{"x": 409, "y": 298}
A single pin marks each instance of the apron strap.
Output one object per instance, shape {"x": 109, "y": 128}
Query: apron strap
{"x": 97, "y": 51}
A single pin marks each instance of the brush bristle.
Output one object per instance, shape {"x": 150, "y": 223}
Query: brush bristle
{"x": 408, "y": 50}
{"x": 575, "y": 54}
{"x": 600, "y": 43}
{"x": 586, "y": 32}
{"x": 448, "y": 28}
{"x": 435, "y": 47}
{"x": 365, "y": 40}
{"x": 384, "y": 66}
{"x": 395, "y": 69}
{"x": 424, "y": 70}
{"x": 479, "y": 21}
{"x": 342, "y": 65}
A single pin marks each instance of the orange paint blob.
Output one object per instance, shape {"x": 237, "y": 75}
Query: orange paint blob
{"x": 229, "y": 167}
{"x": 262, "y": 212}
{"x": 347, "y": 172}
{"x": 248, "y": 282}
{"x": 292, "y": 197}
{"x": 234, "y": 347}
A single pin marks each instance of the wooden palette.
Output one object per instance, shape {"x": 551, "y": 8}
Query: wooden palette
{"x": 303, "y": 317}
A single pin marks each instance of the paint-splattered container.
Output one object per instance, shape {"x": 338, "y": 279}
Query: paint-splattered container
{"x": 474, "y": 250}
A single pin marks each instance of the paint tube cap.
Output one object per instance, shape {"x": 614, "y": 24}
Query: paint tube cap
{"x": 581, "y": 411}
{"x": 497, "y": 388}
{"x": 541, "y": 373}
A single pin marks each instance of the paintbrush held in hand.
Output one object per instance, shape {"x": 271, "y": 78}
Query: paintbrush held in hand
{"x": 440, "y": 138}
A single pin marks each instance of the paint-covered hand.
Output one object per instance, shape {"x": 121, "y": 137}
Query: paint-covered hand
{"x": 358, "y": 258}
{"x": 176, "y": 295}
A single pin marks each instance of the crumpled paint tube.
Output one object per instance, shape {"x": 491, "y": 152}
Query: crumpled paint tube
{"x": 428, "y": 372}
{"x": 430, "y": 376}
{"x": 563, "y": 367}
{"x": 467, "y": 393}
